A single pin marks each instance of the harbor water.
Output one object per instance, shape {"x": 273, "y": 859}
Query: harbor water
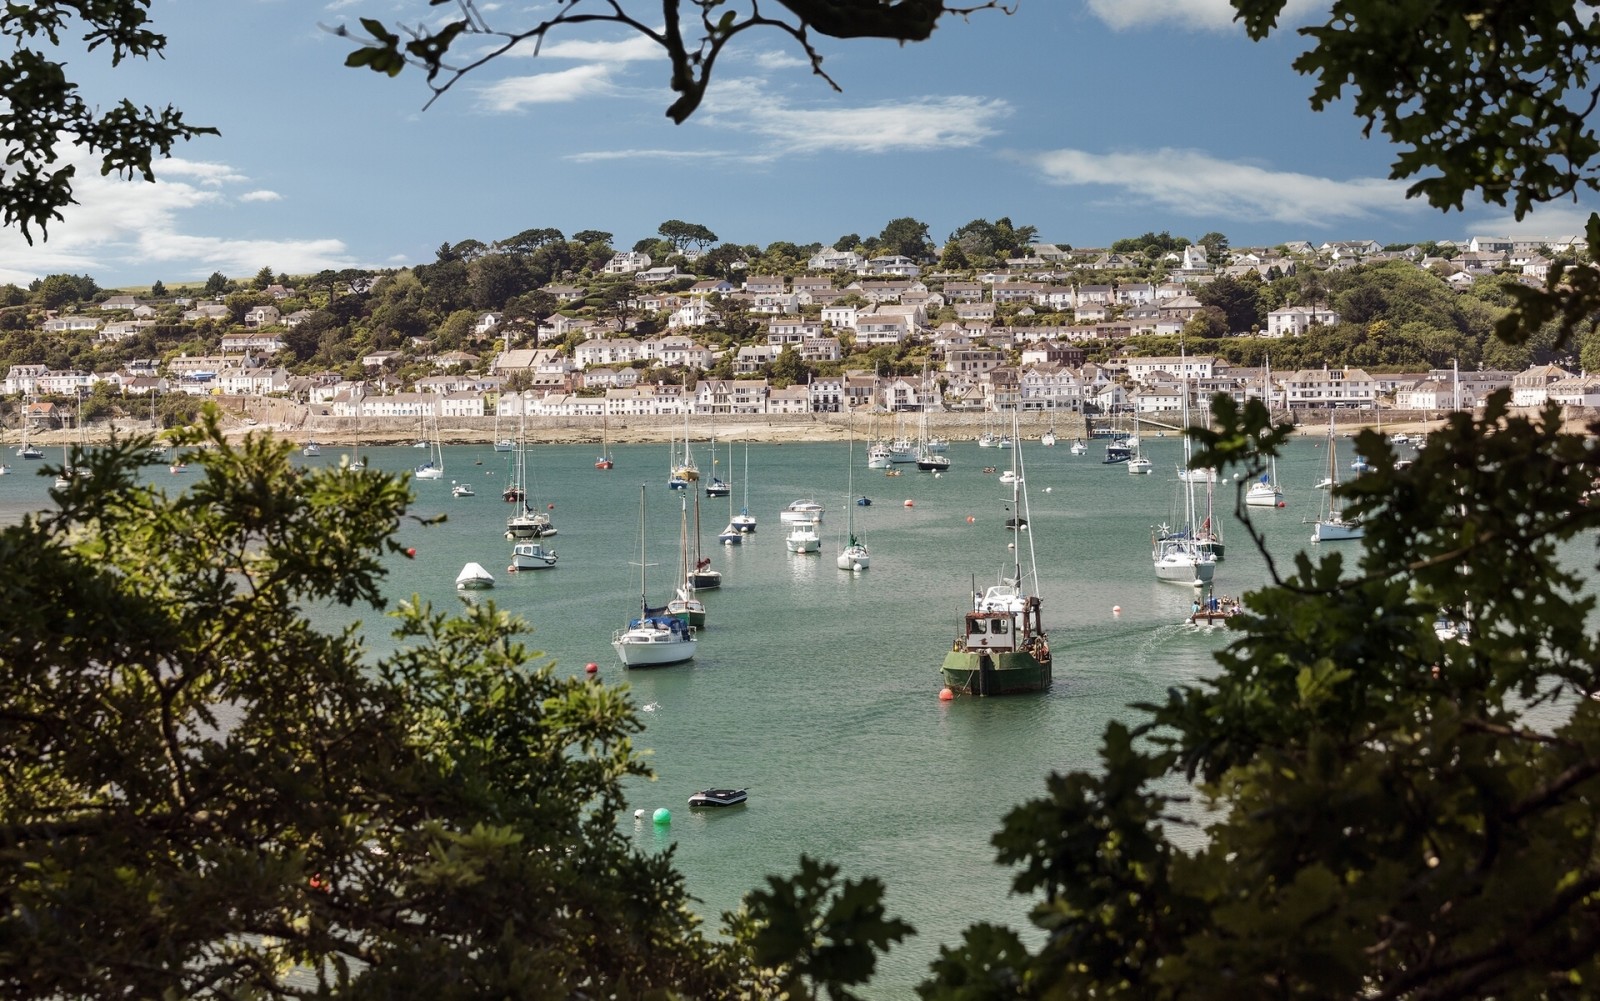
{"x": 816, "y": 688}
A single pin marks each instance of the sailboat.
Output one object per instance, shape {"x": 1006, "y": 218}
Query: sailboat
{"x": 433, "y": 468}
{"x": 1001, "y": 647}
{"x": 931, "y": 455}
{"x": 652, "y": 639}
{"x": 525, "y": 523}
{"x": 732, "y": 535}
{"x": 744, "y": 521}
{"x": 683, "y": 470}
{"x": 684, "y": 605}
{"x": 855, "y": 556}
{"x": 1333, "y": 526}
{"x": 701, "y": 576}
{"x": 501, "y": 444}
{"x": 1264, "y": 492}
{"x": 604, "y": 460}
{"x": 1178, "y": 556}
{"x": 1137, "y": 463}
{"x": 716, "y": 486}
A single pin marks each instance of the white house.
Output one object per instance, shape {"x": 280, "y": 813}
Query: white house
{"x": 626, "y": 263}
{"x": 1532, "y": 388}
{"x": 1294, "y": 321}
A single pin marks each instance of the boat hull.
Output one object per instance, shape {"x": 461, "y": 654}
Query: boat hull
{"x": 1336, "y": 531}
{"x": 984, "y": 673}
{"x": 635, "y": 652}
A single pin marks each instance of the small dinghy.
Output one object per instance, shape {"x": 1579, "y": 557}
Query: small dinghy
{"x": 473, "y": 577}
{"x": 718, "y": 797}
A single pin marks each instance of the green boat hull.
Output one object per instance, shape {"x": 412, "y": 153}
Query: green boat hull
{"x": 995, "y": 673}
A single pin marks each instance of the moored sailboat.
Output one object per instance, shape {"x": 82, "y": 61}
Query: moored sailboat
{"x": 1001, "y": 647}
{"x": 1333, "y": 526}
{"x": 652, "y": 639}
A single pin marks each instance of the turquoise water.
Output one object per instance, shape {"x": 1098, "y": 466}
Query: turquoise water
{"x": 816, "y": 688}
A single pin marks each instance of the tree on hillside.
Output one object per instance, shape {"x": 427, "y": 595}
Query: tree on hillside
{"x": 683, "y": 235}
{"x": 907, "y": 237}
{"x": 217, "y": 284}
{"x": 262, "y": 279}
{"x": 1238, "y": 299}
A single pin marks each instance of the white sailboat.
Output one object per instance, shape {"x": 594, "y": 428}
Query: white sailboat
{"x": 1138, "y": 464}
{"x": 652, "y": 639}
{"x": 433, "y": 467}
{"x": 1333, "y": 526}
{"x": 854, "y": 556}
{"x": 1179, "y": 556}
{"x": 1265, "y": 492}
{"x": 525, "y": 522}
{"x": 716, "y": 486}
{"x": 744, "y": 521}
{"x": 733, "y": 535}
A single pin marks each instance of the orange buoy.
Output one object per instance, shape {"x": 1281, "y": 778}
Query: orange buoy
{"x": 945, "y": 695}
{"x": 970, "y": 519}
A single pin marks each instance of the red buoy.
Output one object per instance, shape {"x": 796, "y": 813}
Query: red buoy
{"x": 591, "y": 667}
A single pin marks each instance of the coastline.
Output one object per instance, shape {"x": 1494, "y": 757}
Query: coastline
{"x": 769, "y": 429}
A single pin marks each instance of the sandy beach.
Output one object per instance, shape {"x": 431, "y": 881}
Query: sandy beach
{"x": 298, "y": 424}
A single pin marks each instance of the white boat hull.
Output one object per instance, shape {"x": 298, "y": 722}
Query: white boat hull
{"x": 1183, "y": 570}
{"x": 531, "y": 556}
{"x": 473, "y": 577}
{"x": 854, "y": 558}
{"x": 1263, "y": 495}
{"x": 647, "y": 646}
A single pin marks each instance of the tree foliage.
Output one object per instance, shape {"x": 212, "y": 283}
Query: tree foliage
{"x": 198, "y": 790}
{"x": 46, "y": 114}
{"x": 1387, "y": 813}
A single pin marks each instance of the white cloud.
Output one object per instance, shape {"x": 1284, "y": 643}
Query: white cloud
{"x": 514, "y": 93}
{"x": 746, "y": 107}
{"x": 684, "y": 155}
{"x": 777, "y": 59}
{"x": 261, "y": 196}
{"x": 121, "y": 226}
{"x": 1193, "y": 183}
{"x": 636, "y": 48}
{"x": 1544, "y": 221}
{"x": 1205, "y": 15}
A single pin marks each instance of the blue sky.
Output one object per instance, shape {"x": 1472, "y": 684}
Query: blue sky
{"x": 1088, "y": 119}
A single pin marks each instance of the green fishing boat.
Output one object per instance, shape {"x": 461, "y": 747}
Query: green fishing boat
{"x": 1001, "y": 647}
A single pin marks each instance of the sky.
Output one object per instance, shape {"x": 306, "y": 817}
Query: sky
{"x": 1090, "y": 120}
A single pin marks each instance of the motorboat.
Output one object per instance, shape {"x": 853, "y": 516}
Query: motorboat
{"x": 1009, "y": 476}
{"x": 531, "y": 556}
{"x": 717, "y": 797}
{"x": 803, "y": 538}
{"x": 878, "y": 456}
{"x": 473, "y": 577}
{"x": 807, "y": 510}
{"x": 462, "y": 490}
